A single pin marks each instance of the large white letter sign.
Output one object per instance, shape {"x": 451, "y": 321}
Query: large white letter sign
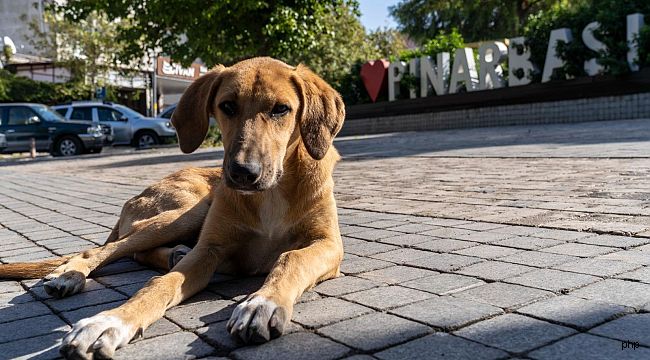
{"x": 518, "y": 61}
{"x": 437, "y": 75}
{"x": 634, "y": 24}
{"x": 553, "y": 61}
{"x": 395, "y": 72}
{"x": 413, "y": 70}
{"x": 591, "y": 66}
{"x": 464, "y": 71}
{"x": 490, "y": 56}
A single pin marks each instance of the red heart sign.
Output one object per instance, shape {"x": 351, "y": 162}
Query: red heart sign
{"x": 373, "y": 75}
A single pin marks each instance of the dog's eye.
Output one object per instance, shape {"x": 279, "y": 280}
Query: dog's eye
{"x": 228, "y": 107}
{"x": 279, "y": 110}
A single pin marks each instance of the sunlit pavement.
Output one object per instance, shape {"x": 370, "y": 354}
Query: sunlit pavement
{"x": 530, "y": 241}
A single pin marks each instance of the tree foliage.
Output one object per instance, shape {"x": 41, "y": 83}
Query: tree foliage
{"x": 86, "y": 47}
{"x": 611, "y": 14}
{"x": 21, "y": 89}
{"x": 475, "y": 19}
{"x": 310, "y": 31}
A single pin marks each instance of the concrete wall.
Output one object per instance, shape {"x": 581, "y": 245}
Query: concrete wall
{"x": 15, "y": 16}
{"x": 634, "y": 106}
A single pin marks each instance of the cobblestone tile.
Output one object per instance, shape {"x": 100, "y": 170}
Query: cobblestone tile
{"x": 37, "y": 348}
{"x": 384, "y": 298}
{"x": 128, "y": 278}
{"x": 487, "y": 251}
{"x": 218, "y": 336}
{"x": 573, "y": 311}
{"x": 588, "y": 347}
{"x": 75, "y": 315}
{"x": 344, "y": 285}
{"x": 514, "y": 333}
{"x": 172, "y": 346}
{"x": 326, "y": 311}
{"x": 196, "y": 315}
{"x": 374, "y": 331}
{"x": 552, "y": 280}
{"x": 505, "y": 296}
{"x": 401, "y": 256}
{"x": 407, "y": 239}
{"x": 35, "y": 326}
{"x": 580, "y": 250}
{"x": 562, "y": 234}
{"x": 641, "y": 275}
{"x": 630, "y": 256}
{"x": 85, "y": 299}
{"x": 613, "y": 240}
{"x": 444, "y": 262}
{"x": 494, "y": 270}
{"x": 7, "y": 286}
{"x": 438, "y": 346}
{"x": 297, "y": 346}
{"x": 633, "y": 327}
{"x": 597, "y": 267}
{"x": 396, "y": 274}
{"x": 368, "y": 248}
{"x": 537, "y": 259}
{"x": 443, "y": 284}
{"x": 374, "y": 234}
{"x": 444, "y": 245}
{"x": 527, "y": 242}
{"x": 22, "y": 311}
{"x": 446, "y": 312}
{"x": 362, "y": 264}
{"x": 14, "y": 298}
{"x": 617, "y": 292}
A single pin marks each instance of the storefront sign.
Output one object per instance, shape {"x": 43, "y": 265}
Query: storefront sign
{"x": 439, "y": 77}
{"x": 165, "y": 67}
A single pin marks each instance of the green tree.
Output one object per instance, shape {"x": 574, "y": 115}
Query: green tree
{"x": 217, "y": 31}
{"x": 611, "y": 14}
{"x": 475, "y": 19}
{"x": 86, "y": 47}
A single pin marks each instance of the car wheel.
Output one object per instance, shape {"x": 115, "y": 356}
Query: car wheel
{"x": 68, "y": 146}
{"x": 146, "y": 139}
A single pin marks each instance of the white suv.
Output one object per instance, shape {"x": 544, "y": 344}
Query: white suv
{"x": 129, "y": 126}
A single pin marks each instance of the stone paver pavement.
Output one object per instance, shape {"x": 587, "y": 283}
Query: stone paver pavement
{"x": 520, "y": 242}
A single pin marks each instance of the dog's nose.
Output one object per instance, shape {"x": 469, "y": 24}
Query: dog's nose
{"x": 244, "y": 174}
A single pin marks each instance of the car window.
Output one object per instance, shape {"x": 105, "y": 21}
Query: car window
{"x": 2, "y": 116}
{"x": 107, "y": 114}
{"x": 21, "y": 115}
{"x": 62, "y": 111}
{"x": 167, "y": 114}
{"x": 82, "y": 113}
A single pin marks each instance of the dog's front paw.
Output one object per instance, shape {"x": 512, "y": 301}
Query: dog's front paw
{"x": 62, "y": 284}
{"x": 96, "y": 337}
{"x": 257, "y": 319}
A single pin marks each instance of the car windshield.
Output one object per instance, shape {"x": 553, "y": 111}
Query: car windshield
{"x": 127, "y": 111}
{"x": 47, "y": 113}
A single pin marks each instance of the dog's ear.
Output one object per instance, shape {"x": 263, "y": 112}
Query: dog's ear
{"x": 321, "y": 112}
{"x": 191, "y": 116}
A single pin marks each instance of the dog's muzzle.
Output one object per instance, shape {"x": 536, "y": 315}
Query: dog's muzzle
{"x": 244, "y": 176}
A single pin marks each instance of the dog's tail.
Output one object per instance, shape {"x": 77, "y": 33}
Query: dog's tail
{"x": 30, "y": 270}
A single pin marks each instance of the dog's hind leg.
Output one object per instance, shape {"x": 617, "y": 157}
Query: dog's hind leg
{"x": 162, "y": 257}
{"x": 164, "y": 228}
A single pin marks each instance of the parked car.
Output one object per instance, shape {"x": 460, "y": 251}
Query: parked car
{"x": 3, "y": 142}
{"x": 169, "y": 111}
{"x": 129, "y": 127}
{"x": 20, "y": 122}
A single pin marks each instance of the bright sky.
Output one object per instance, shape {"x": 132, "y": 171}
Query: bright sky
{"x": 374, "y": 13}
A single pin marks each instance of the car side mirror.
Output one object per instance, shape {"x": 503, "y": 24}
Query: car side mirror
{"x": 33, "y": 120}
{"x": 124, "y": 118}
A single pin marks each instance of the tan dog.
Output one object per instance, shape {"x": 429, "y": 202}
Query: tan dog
{"x": 272, "y": 210}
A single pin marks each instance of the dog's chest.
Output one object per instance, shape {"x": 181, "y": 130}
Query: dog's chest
{"x": 272, "y": 217}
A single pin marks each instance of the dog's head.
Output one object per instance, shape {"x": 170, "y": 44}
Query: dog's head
{"x": 262, "y": 106}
